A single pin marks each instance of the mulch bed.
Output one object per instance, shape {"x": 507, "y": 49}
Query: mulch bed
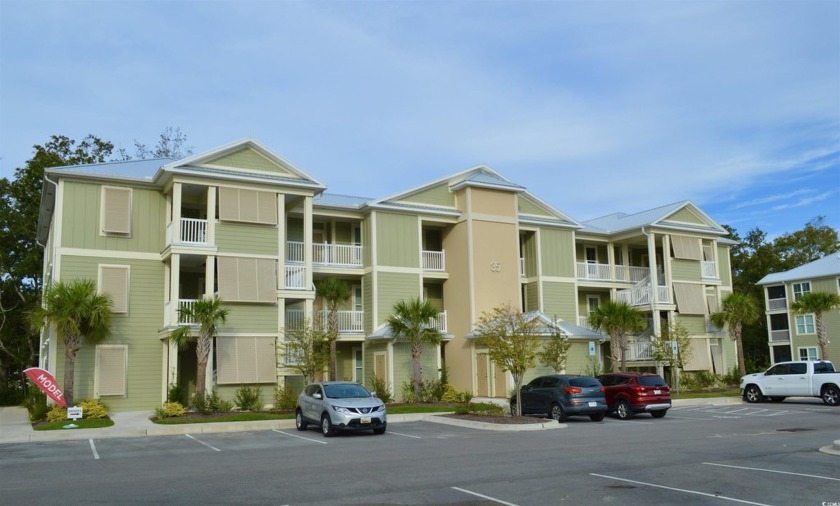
{"x": 512, "y": 420}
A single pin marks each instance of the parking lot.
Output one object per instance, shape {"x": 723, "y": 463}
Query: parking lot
{"x": 748, "y": 454}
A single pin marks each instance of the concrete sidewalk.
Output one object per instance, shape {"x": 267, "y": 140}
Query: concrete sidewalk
{"x": 16, "y": 428}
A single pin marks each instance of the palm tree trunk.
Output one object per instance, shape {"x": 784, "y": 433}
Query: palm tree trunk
{"x": 615, "y": 361}
{"x": 332, "y": 326}
{"x": 202, "y": 351}
{"x": 623, "y": 351}
{"x": 333, "y": 359}
{"x": 69, "y": 372}
{"x": 821, "y": 337}
{"x": 742, "y": 364}
{"x": 418, "y": 372}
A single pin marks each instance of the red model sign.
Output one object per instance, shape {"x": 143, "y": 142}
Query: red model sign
{"x": 47, "y": 383}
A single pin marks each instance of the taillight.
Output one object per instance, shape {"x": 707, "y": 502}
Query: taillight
{"x": 572, "y": 390}
{"x": 603, "y": 389}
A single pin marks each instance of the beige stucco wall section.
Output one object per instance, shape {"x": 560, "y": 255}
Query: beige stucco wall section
{"x": 482, "y": 261}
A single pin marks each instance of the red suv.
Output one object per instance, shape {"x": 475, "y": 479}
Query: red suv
{"x": 629, "y": 393}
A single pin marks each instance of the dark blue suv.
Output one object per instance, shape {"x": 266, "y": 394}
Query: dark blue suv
{"x": 560, "y": 396}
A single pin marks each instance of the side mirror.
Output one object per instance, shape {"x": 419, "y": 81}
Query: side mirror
{"x": 316, "y": 396}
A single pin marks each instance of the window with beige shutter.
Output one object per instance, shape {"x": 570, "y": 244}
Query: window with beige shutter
{"x": 246, "y": 360}
{"x": 690, "y": 298}
{"x": 111, "y": 370}
{"x": 115, "y": 210}
{"x": 249, "y": 206}
{"x": 687, "y": 248}
{"x": 244, "y": 279}
{"x": 113, "y": 280}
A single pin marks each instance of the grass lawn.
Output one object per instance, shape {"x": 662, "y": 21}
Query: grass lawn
{"x": 224, "y": 417}
{"x": 728, "y": 392}
{"x": 84, "y": 423}
{"x": 403, "y": 409}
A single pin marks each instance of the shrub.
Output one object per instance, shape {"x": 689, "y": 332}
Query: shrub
{"x": 733, "y": 378}
{"x": 433, "y": 390}
{"x": 56, "y": 414}
{"x": 248, "y": 398}
{"x": 172, "y": 409}
{"x": 93, "y": 409}
{"x": 407, "y": 392}
{"x": 36, "y": 403}
{"x": 176, "y": 394}
{"x": 285, "y": 398}
{"x": 451, "y": 394}
{"x": 381, "y": 389}
{"x": 481, "y": 409}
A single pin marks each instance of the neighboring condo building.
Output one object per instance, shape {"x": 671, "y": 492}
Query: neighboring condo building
{"x": 793, "y": 336}
{"x": 240, "y": 222}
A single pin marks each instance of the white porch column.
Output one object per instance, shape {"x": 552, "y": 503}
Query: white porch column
{"x": 611, "y": 259}
{"x": 176, "y": 213}
{"x": 281, "y": 245}
{"x": 211, "y": 215}
{"x": 174, "y": 288}
{"x": 651, "y": 244}
{"x": 307, "y": 241}
{"x": 209, "y": 275}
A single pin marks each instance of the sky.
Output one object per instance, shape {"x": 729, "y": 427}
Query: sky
{"x": 594, "y": 106}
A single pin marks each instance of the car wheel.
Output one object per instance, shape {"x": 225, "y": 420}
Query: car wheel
{"x": 379, "y": 430}
{"x": 556, "y": 413}
{"x": 597, "y": 417}
{"x": 623, "y": 411}
{"x": 658, "y": 414}
{"x": 300, "y": 423}
{"x": 830, "y": 395}
{"x": 753, "y": 394}
{"x": 326, "y": 426}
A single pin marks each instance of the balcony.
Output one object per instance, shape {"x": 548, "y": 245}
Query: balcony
{"x": 180, "y": 320}
{"x": 777, "y": 304}
{"x": 641, "y": 295}
{"x": 434, "y": 260}
{"x": 191, "y": 231}
{"x": 295, "y": 278}
{"x": 639, "y": 351}
{"x": 708, "y": 270}
{"x": 608, "y": 272}
{"x": 780, "y": 336}
{"x": 439, "y": 323}
{"x": 324, "y": 254}
{"x": 349, "y": 322}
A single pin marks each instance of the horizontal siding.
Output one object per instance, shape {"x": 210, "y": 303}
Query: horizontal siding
{"x": 249, "y": 159}
{"x": 393, "y": 287}
{"x": 559, "y": 300}
{"x": 695, "y": 324}
{"x": 398, "y": 242}
{"x": 437, "y": 196}
{"x": 251, "y": 318}
{"x": 228, "y": 392}
{"x": 557, "y": 247}
{"x": 528, "y": 206}
{"x": 245, "y": 238}
{"x": 685, "y": 270}
{"x": 138, "y": 330}
{"x": 404, "y": 365}
{"x": 579, "y": 361}
{"x": 80, "y": 218}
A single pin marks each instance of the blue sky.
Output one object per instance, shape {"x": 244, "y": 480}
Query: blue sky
{"x": 594, "y": 106}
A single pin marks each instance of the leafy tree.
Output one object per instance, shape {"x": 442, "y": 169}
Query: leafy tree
{"x": 806, "y": 245}
{"x": 512, "y": 340}
{"x": 663, "y": 353}
{"x": 334, "y": 292}
{"x": 171, "y": 144}
{"x": 414, "y": 320}
{"x": 77, "y": 314}
{"x": 618, "y": 320}
{"x": 208, "y": 314}
{"x": 817, "y": 303}
{"x": 306, "y": 351}
{"x": 555, "y": 351}
{"x": 736, "y": 310}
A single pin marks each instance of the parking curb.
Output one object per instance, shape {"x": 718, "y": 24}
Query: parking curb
{"x": 832, "y": 449}
{"x": 547, "y": 425}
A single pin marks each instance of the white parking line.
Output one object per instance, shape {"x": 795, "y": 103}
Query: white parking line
{"x": 403, "y": 435}
{"x": 299, "y": 437}
{"x": 715, "y": 496}
{"x": 773, "y": 471}
{"x": 202, "y": 442}
{"x": 93, "y": 449}
{"x": 483, "y": 496}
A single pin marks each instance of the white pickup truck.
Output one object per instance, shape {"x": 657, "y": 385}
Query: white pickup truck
{"x": 813, "y": 378}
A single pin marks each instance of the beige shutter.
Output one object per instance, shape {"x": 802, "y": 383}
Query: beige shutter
{"x": 690, "y": 298}
{"x": 227, "y": 371}
{"x": 266, "y": 350}
{"x": 116, "y": 210}
{"x": 113, "y": 280}
{"x": 246, "y": 359}
{"x": 228, "y": 278}
{"x": 228, "y": 204}
{"x": 111, "y": 370}
{"x": 712, "y": 302}
{"x": 267, "y": 279}
{"x": 248, "y": 279}
{"x": 687, "y": 248}
{"x": 248, "y": 206}
{"x": 267, "y": 208}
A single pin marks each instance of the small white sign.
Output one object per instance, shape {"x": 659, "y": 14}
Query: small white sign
{"x": 674, "y": 347}
{"x": 74, "y": 413}
{"x": 591, "y": 347}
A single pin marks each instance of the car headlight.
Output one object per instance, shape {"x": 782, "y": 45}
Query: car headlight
{"x": 340, "y": 409}
{"x": 381, "y": 407}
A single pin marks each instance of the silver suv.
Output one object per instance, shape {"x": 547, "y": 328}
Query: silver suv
{"x": 339, "y": 406}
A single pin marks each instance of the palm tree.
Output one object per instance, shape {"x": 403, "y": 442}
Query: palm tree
{"x": 334, "y": 291}
{"x": 817, "y": 303}
{"x": 208, "y": 314}
{"x": 617, "y": 319}
{"x": 77, "y": 314}
{"x": 413, "y": 320}
{"x": 736, "y": 310}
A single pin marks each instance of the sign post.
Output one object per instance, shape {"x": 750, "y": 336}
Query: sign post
{"x": 676, "y": 369}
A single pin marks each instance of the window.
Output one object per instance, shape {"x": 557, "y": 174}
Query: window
{"x": 357, "y": 357}
{"x": 246, "y": 360}
{"x": 113, "y": 280}
{"x": 247, "y": 279}
{"x": 809, "y": 353}
{"x": 592, "y": 302}
{"x": 111, "y": 370}
{"x": 250, "y": 206}
{"x": 800, "y": 289}
{"x": 115, "y": 210}
{"x": 805, "y": 324}
{"x": 776, "y": 297}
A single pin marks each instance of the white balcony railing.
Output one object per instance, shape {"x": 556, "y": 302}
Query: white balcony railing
{"x": 294, "y": 252}
{"x": 337, "y": 254}
{"x": 598, "y": 272}
{"x": 776, "y": 304}
{"x": 583, "y": 321}
{"x": 295, "y": 277}
{"x": 439, "y": 323}
{"x": 641, "y": 295}
{"x": 608, "y": 272}
{"x": 434, "y": 260}
{"x": 641, "y": 350}
{"x": 191, "y": 231}
{"x": 522, "y": 267}
{"x": 179, "y": 318}
{"x": 780, "y": 335}
{"x": 708, "y": 269}
{"x": 351, "y": 322}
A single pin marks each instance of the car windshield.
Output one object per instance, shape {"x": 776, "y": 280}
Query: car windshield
{"x": 584, "y": 382}
{"x": 652, "y": 381}
{"x": 346, "y": 391}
